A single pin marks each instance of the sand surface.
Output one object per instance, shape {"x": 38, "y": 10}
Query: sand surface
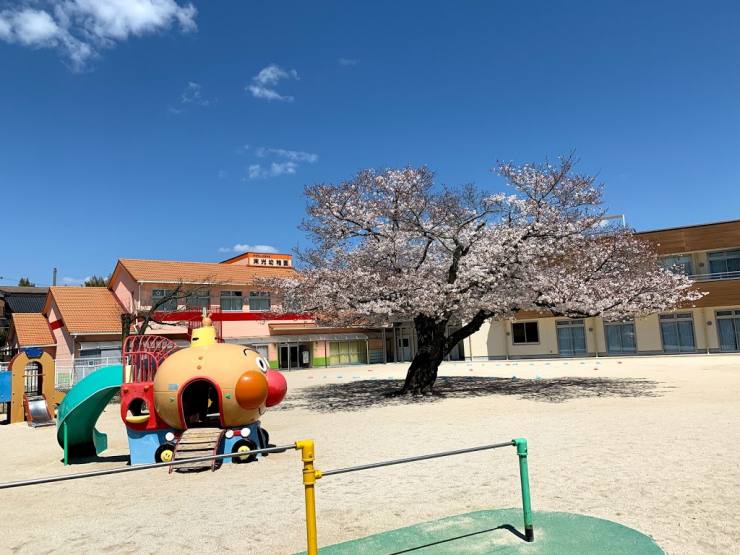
{"x": 653, "y": 443}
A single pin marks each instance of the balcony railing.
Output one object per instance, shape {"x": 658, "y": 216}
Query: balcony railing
{"x": 69, "y": 372}
{"x": 716, "y": 276}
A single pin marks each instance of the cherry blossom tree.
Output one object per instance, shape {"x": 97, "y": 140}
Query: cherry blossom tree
{"x": 391, "y": 246}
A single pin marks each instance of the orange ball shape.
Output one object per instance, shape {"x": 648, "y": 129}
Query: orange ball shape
{"x": 251, "y": 389}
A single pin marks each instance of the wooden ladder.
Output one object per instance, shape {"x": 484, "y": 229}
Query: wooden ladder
{"x": 198, "y": 442}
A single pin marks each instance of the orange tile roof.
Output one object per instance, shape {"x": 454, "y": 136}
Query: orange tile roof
{"x": 167, "y": 271}
{"x": 87, "y": 309}
{"x": 32, "y": 329}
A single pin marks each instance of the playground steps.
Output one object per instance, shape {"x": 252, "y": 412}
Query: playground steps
{"x": 36, "y": 411}
{"x": 198, "y": 442}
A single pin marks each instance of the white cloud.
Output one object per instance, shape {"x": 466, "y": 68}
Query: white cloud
{"x": 348, "y": 62}
{"x": 292, "y": 155}
{"x": 287, "y": 163}
{"x": 264, "y": 83}
{"x": 241, "y": 248}
{"x": 193, "y": 94}
{"x": 81, "y": 28}
{"x": 274, "y": 169}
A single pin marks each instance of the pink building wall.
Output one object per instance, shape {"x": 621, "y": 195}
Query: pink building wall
{"x": 65, "y": 342}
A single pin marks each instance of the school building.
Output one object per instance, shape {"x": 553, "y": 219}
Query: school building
{"x": 708, "y": 253}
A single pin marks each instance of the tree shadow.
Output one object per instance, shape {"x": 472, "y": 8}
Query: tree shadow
{"x": 364, "y": 394}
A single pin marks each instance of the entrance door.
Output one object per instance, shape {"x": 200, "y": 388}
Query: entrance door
{"x": 728, "y": 329}
{"x": 620, "y": 337}
{"x": 200, "y": 405}
{"x": 571, "y": 338}
{"x": 290, "y": 357}
{"x": 403, "y": 344}
{"x": 677, "y": 331}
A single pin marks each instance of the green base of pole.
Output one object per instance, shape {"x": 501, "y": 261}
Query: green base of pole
{"x": 521, "y": 451}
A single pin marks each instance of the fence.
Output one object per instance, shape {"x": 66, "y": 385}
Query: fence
{"x": 311, "y": 475}
{"x": 69, "y": 372}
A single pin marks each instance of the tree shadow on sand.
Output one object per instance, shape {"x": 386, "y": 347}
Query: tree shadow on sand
{"x": 364, "y": 394}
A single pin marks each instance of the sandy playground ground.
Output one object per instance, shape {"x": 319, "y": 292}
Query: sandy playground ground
{"x": 653, "y": 443}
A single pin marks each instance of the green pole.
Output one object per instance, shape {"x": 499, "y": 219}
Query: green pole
{"x": 521, "y": 450}
{"x": 66, "y": 444}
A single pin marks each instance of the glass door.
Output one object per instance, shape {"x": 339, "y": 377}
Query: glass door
{"x": 620, "y": 337}
{"x": 571, "y": 337}
{"x": 728, "y": 330}
{"x": 677, "y": 332}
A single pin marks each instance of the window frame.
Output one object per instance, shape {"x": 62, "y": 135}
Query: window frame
{"x": 165, "y": 307}
{"x": 524, "y": 324}
{"x": 201, "y": 295}
{"x": 231, "y": 295}
{"x": 684, "y": 261}
{"x": 259, "y": 296}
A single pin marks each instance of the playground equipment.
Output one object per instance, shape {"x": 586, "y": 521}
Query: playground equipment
{"x": 176, "y": 404}
{"x": 564, "y": 532}
{"x": 30, "y": 389}
{"x": 311, "y": 475}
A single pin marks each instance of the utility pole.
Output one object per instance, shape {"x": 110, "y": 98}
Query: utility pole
{"x": 54, "y": 277}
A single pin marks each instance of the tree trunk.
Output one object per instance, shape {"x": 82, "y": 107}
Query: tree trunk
{"x": 432, "y": 347}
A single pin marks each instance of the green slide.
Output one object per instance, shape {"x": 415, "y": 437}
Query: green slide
{"x": 80, "y": 409}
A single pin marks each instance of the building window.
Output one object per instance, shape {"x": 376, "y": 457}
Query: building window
{"x": 198, "y": 299}
{"x": 620, "y": 337}
{"x": 259, "y": 300}
{"x": 170, "y": 305}
{"x": 231, "y": 301}
{"x": 347, "y": 352}
{"x": 724, "y": 264}
{"x": 525, "y": 332}
{"x": 677, "y": 332}
{"x": 728, "y": 330}
{"x": 571, "y": 337}
{"x": 680, "y": 264}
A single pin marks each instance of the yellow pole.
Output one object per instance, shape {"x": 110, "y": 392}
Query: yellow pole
{"x": 309, "y": 480}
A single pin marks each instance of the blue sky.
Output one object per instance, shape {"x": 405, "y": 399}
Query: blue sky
{"x": 177, "y": 130}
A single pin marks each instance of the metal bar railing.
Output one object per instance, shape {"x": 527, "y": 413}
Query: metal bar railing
{"x": 122, "y": 469}
{"x": 418, "y": 458}
{"x": 310, "y": 475}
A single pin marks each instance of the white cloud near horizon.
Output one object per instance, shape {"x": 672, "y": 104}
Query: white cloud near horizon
{"x": 80, "y": 29}
{"x": 240, "y": 248}
{"x": 348, "y": 62}
{"x": 264, "y": 83}
{"x": 74, "y": 281}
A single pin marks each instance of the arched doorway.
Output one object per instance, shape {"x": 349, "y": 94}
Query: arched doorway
{"x": 200, "y": 404}
{"x": 33, "y": 379}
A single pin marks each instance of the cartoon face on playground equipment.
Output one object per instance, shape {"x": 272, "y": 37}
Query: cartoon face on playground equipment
{"x": 215, "y": 384}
